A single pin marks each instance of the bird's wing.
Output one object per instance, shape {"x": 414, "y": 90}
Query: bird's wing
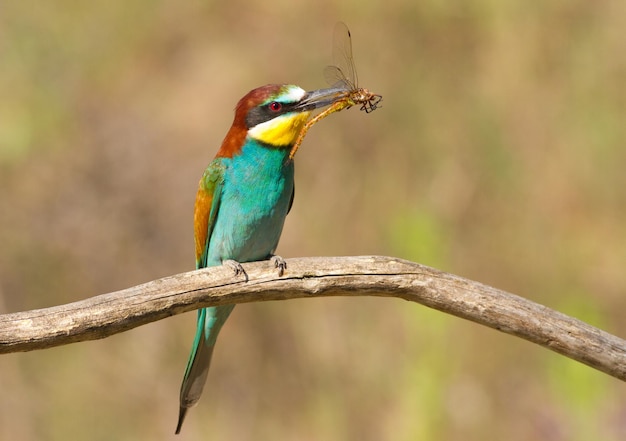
{"x": 293, "y": 194}
{"x": 205, "y": 213}
{"x": 207, "y": 206}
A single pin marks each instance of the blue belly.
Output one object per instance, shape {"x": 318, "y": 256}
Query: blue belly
{"x": 255, "y": 199}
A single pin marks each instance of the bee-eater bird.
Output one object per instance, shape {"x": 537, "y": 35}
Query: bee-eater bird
{"x": 243, "y": 198}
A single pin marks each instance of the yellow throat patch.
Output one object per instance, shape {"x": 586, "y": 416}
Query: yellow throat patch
{"x": 281, "y": 131}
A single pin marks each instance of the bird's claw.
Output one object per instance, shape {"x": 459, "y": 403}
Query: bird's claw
{"x": 280, "y": 264}
{"x": 236, "y": 267}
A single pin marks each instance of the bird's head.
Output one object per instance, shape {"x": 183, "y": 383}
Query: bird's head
{"x": 273, "y": 115}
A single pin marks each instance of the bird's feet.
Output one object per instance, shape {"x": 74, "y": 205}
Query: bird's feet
{"x": 236, "y": 267}
{"x": 279, "y": 263}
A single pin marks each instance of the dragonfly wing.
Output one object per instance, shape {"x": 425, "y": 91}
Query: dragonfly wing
{"x": 336, "y": 79}
{"x": 342, "y": 53}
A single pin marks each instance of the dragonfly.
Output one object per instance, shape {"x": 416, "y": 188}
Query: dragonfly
{"x": 343, "y": 79}
{"x": 342, "y": 75}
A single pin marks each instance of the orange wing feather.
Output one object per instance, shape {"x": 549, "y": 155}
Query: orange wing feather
{"x": 202, "y": 210}
{"x": 206, "y": 208}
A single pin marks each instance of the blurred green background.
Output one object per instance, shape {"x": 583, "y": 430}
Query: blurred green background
{"x": 498, "y": 155}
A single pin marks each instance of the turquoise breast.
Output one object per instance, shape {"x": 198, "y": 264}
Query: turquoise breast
{"x": 256, "y": 193}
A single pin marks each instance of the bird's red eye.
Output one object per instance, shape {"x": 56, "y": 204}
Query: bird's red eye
{"x": 275, "y": 106}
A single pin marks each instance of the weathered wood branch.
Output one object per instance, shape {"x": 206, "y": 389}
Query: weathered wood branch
{"x": 109, "y": 314}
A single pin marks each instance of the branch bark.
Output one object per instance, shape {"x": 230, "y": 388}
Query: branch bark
{"x": 108, "y": 314}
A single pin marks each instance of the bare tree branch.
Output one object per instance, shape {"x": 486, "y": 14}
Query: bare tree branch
{"x": 109, "y": 314}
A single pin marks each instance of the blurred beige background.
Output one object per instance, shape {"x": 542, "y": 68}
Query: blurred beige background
{"x": 498, "y": 155}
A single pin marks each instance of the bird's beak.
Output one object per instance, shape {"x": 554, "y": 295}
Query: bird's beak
{"x": 320, "y": 98}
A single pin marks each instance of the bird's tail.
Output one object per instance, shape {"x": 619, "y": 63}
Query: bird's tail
{"x": 210, "y": 321}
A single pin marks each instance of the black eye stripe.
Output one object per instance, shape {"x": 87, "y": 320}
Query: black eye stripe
{"x": 261, "y": 114}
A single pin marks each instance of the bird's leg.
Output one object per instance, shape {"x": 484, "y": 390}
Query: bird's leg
{"x": 279, "y": 263}
{"x": 236, "y": 267}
